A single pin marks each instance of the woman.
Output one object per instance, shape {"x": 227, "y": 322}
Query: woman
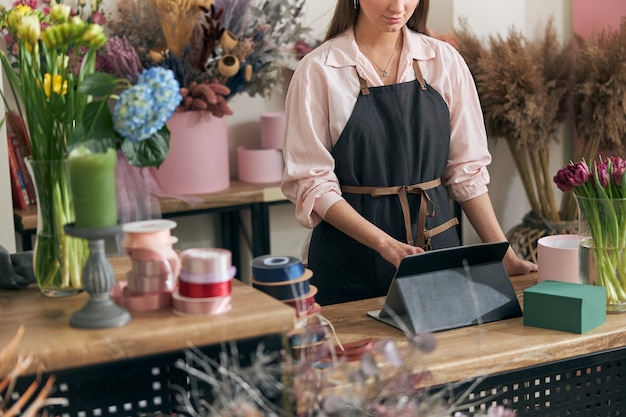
{"x": 383, "y": 126}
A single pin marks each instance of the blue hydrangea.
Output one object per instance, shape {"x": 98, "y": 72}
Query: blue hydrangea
{"x": 143, "y": 109}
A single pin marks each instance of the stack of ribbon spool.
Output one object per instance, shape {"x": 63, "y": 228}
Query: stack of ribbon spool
{"x": 286, "y": 279}
{"x": 205, "y": 282}
{"x": 155, "y": 266}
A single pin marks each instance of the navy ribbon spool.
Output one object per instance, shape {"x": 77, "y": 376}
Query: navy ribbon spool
{"x": 286, "y": 290}
{"x": 269, "y": 268}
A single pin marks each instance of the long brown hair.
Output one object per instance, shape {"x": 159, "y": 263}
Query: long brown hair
{"x": 345, "y": 17}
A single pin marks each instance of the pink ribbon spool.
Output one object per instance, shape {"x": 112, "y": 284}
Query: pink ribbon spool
{"x": 122, "y": 296}
{"x": 148, "y": 243}
{"x": 139, "y": 284}
{"x": 206, "y": 265}
{"x": 186, "y": 306}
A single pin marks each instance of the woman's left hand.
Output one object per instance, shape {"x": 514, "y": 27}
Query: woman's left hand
{"x": 517, "y": 266}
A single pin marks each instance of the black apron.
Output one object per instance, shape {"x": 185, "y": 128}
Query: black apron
{"x": 389, "y": 160}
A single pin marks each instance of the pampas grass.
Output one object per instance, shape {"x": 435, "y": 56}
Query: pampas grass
{"x": 523, "y": 86}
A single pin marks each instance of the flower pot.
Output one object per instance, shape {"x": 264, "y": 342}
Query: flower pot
{"x": 602, "y": 247}
{"x": 58, "y": 259}
{"x": 198, "y": 160}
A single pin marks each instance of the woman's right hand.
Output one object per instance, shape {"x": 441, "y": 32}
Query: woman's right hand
{"x": 394, "y": 251}
{"x": 342, "y": 216}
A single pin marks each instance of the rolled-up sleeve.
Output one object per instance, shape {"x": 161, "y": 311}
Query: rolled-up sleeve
{"x": 466, "y": 175}
{"x": 309, "y": 180}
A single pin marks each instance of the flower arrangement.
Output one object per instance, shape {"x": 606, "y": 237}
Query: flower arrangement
{"x": 55, "y": 89}
{"x": 600, "y": 191}
{"x": 217, "y": 49}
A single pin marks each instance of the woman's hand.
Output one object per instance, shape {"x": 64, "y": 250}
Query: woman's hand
{"x": 517, "y": 266}
{"x": 393, "y": 251}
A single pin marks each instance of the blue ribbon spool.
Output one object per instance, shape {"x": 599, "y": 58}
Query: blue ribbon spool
{"x": 269, "y": 268}
{"x": 286, "y": 290}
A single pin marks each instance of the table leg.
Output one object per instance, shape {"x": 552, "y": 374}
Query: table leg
{"x": 260, "y": 229}
{"x": 229, "y": 231}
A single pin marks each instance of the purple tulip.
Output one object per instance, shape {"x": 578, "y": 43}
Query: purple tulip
{"x": 602, "y": 171}
{"x": 572, "y": 175}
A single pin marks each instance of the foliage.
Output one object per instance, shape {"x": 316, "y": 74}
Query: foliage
{"x": 56, "y": 89}
{"x": 601, "y": 187}
{"x": 216, "y": 49}
{"x": 323, "y": 381}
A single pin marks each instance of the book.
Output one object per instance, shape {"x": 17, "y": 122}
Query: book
{"x": 19, "y": 202}
{"x": 19, "y": 151}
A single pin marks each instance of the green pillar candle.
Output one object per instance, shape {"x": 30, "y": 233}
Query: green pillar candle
{"x": 92, "y": 182}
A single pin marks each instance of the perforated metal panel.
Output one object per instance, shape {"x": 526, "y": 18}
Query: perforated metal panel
{"x": 137, "y": 387}
{"x": 586, "y": 386}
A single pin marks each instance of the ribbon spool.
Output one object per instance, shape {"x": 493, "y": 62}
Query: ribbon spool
{"x": 286, "y": 290}
{"x": 121, "y": 295}
{"x": 304, "y": 305}
{"x": 269, "y": 268}
{"x": 186, "y": 306}
{"x": 206, "y": 265}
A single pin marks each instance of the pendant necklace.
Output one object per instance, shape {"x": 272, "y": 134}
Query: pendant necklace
{"x": 383, "y": 71}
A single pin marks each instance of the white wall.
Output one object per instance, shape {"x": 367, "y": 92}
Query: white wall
{"x": 7, "y": 235}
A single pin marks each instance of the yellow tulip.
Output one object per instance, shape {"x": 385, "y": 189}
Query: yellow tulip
{"x": 60, "y": 12}
{"x": 54, "y": 83}
{"x": 28, "y": 29}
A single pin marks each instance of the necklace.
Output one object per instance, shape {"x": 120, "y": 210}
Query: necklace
{"x": 383, "y": 71}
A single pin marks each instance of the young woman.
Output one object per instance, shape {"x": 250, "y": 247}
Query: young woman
{"x": 384, "y": 126}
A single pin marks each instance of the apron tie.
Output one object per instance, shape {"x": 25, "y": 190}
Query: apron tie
{"x": 428, "y": 209}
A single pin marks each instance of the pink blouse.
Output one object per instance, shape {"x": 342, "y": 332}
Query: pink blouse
{"x": 320, "y": 99}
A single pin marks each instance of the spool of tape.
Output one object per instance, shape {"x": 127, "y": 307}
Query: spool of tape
{"x": 148, "y": 233}
{"x": 268, "y": 268}
{"x": 206, "y": 265}
{"x": 286, "y": 290}
{"x": 139, "y": 284}
{"x": 185, "y": 306}
{"x": 305, "y": 304}
{"x": 193, "y": 290}
{"x": 122, "y": 296}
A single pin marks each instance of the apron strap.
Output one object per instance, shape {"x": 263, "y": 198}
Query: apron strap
{"x": 418, "y": 74}
{"x": 364, "y": 88}
{"x": 423, "y": 235}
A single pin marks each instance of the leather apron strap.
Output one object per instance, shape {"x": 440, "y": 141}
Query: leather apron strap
{"x": 427, "y": 209}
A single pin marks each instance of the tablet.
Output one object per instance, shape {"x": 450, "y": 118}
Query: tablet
{"x": 449, "y": 288}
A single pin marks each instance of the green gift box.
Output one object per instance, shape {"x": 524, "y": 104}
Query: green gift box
{"x": 565, "y": 306}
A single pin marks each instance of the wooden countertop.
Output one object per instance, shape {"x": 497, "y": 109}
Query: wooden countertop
{"x": 49, "y": 337}
{"x": 484, "y": 349}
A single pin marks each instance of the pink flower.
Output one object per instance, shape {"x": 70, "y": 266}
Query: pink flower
{"x": 602, "y": 171}
{"x": 617, "y": 168}
{"x": 98, "y": 18}
{"x": 572, "y": 175}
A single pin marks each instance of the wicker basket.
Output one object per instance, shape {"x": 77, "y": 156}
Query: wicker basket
{"x": 523, "y": 237}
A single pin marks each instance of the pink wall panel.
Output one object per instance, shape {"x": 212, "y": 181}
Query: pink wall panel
{"x": 589, "y": 15}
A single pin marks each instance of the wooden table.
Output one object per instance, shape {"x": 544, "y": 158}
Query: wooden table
{"x": 95, "y": 365}
{"x": 529, "y": 366}
{"x": 227, "y": 203}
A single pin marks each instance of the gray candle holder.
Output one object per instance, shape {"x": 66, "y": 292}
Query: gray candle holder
{"x": 98, "y": 280}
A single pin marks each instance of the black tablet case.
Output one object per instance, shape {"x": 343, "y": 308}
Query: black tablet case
{"x": 450, "y": 288}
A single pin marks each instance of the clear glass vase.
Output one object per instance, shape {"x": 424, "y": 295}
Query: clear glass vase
{"x": 602, "y": 247}
{"x": 58, "y": 259}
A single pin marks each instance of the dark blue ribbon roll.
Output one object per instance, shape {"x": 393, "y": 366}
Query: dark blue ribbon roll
{"x": 268, "y": 268}
{"x": 286, "y": 290}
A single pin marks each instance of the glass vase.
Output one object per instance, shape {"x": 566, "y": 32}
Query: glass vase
{"x": 58, "y": 258}
{"x": 602, "y": 247}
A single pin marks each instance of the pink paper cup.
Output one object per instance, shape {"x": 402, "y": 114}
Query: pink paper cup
{"x": 557, "y": 258}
